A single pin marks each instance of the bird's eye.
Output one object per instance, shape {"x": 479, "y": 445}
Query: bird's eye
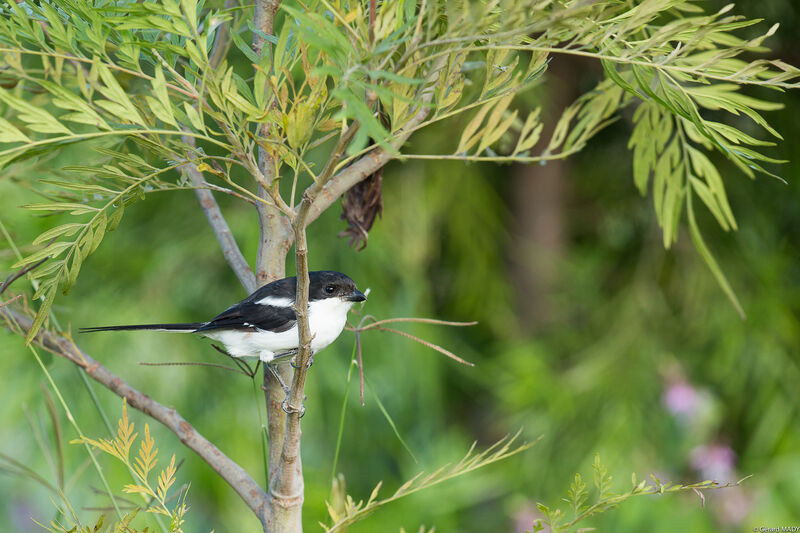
{"x": 329, "y": 289}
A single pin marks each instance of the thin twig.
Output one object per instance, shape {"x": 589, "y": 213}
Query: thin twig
{"x": 241, "y": 364}
{"x": 12, "y": 300}
{"x": 430, "y": 345}
{"x": 286, "y": 486}
{"x": 223, "y": 190}
{"x": 338, "y": 152}
{"x": 183, "y": 81}
{"x": 417, "y": 320}
{"x": 14, "y": 277}
{"x": 196, "y": 363}
{"x": 360, "y": 368}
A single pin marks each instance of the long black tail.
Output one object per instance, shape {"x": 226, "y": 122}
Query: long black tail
{"x": 176, "y": 328}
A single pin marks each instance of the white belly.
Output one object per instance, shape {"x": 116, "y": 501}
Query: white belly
{"x": 326, "y": 318}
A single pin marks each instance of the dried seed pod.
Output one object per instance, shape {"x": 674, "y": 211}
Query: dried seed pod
{"x": 361, "y": 204}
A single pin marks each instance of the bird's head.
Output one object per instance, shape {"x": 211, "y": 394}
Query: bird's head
{"x": 326, "y": 284}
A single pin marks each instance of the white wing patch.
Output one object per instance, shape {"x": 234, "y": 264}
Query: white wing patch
{"x": 274, "y": 301}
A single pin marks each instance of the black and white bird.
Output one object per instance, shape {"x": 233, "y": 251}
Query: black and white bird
{"x": 264, "y": 324}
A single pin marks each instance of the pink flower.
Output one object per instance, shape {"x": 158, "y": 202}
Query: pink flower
{"x": 681, "y": 399}
{"x": 715, "y": 462}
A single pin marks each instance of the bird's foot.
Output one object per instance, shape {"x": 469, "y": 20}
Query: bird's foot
{"x": 288, "y": 409}
{"x": 281, "y": 357}
{"x": 308, "y": 365}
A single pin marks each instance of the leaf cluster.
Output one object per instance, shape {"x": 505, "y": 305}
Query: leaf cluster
{"x": 603, "y": 499}
{"x": 142, "y": 466}
{"x": 344, "y": 510}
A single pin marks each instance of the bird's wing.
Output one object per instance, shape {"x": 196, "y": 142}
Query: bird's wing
{"x": 252, "y": 315}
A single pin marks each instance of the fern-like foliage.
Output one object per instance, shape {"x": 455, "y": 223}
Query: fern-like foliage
{"x": 585, "y": 502}
{"x": 140, "y": 83}
{"x": 345, "y": 511}
{"x": 149, "y": 482}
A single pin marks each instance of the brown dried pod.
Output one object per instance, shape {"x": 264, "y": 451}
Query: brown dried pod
{"x": 361, "y": 204}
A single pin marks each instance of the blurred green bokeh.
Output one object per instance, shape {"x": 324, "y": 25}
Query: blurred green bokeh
{"x": 612, "y": 345}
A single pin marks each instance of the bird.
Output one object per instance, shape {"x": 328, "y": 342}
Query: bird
{"x": 264, "y": 325}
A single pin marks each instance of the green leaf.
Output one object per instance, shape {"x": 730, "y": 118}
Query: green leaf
{"x": 279, "y": 51}
{"x": 41, "y": 314}
{"x": 52, "y": 251}
{"x": 611, "y": 71}
{"x": 244, "y": 48}
{"x": 707, "y": 197}
{"x": 10, "y": 134}
{"x": 118, "y": 102}
{"x": 58, "y": 231}
{"x": 189, "y": 8}
{"x": 100, "y": 224}
{"x": 299, "y": 124}
{"x": 369, "y": 125}
{"x": 602, "y": 481}
{"x": 495, "y": 130}
{"x": 116, "y": 218}
{"x": 393, "y": 426}
{"x": 36, "y": 118}
{"x": 706, "y": 169}
{"x": 318, "y": 31}
{"x": 562, "y": 127}
{"x": 161, "y": 105}
{"x": 72, "y": 207}
{"x": 471, "y": 135}
{"x": 83, "y": 113}
{"x": 195, "y": 118}
{"x": 705, "y": 253}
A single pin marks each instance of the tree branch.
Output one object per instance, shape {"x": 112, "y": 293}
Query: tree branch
{"x": 230, "y": 249}
{"x": 252, "y": 494}
{"x": 221, "y": 39}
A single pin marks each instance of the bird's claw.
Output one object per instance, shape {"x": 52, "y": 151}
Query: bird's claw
{"x": 288, "y": 409}
{"x": 308, "y": 365}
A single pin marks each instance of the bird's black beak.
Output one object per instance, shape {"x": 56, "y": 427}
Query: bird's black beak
{"x": 357, "y": 296}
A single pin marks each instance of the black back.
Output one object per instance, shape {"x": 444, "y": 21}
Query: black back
{"x": 248, "y": 314}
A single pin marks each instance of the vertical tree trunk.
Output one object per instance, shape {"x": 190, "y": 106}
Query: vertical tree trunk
{"x": 539, "y": 229}
{"x": 275, "y": 237}
{"x": 539, "y": 199}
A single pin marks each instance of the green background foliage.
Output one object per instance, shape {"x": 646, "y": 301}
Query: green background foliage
{"x": 626, "y": 320}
